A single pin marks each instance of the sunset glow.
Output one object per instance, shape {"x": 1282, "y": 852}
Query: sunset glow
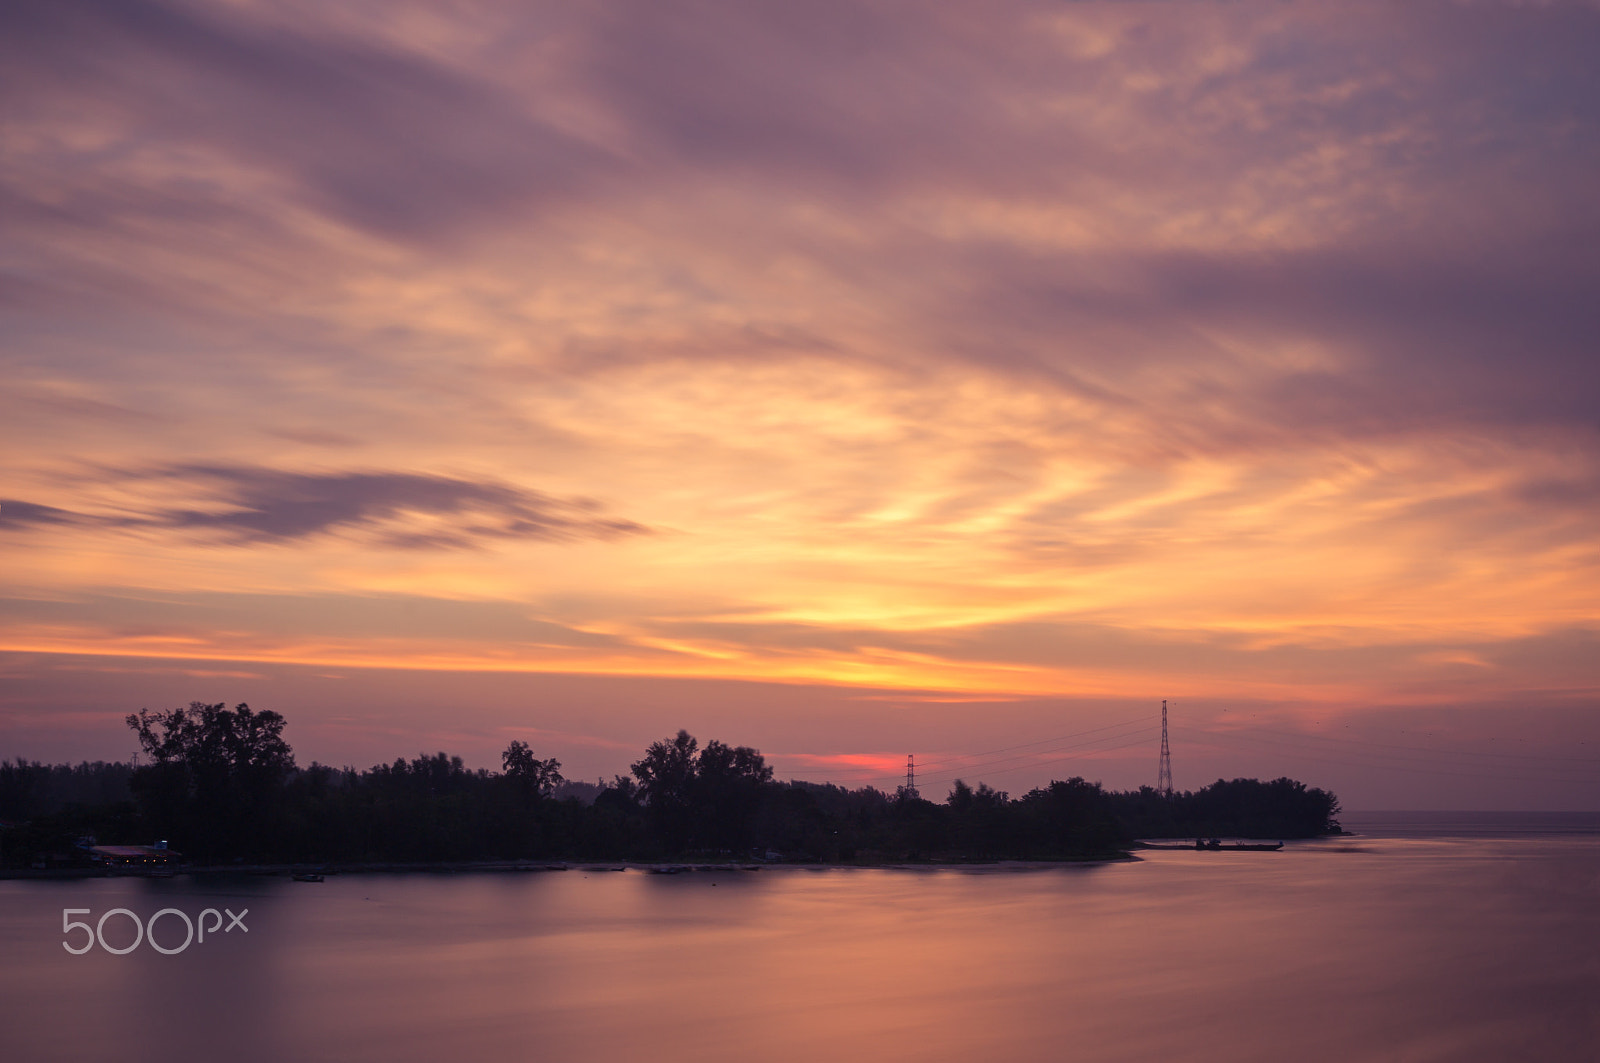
{"x": 930, "y": 357}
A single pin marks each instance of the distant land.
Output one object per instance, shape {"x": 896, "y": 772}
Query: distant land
{"x": 220, "y": 787}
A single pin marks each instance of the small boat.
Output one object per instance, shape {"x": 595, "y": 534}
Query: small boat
{"x": 307, "y": 876}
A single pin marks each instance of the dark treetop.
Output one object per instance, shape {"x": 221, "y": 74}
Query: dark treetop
{"x": 222, "y": 786}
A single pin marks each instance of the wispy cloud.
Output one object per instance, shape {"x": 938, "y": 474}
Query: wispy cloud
{"x": 1039, "y": 350}
{"x": 406, "y": 510}
{"x": 329, "y": 112}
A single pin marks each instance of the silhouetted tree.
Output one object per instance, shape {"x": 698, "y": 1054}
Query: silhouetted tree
{"x": 222, "y": 783}
{"x": 664, "y": 776}
{"x": 29, "y": 789}
{"x": 981, "y": 821}
{"x": 726, "y": 793}
{"x": 539, "y": 776}
{"x": 217, "y": 774}
{"x": 1071, "y": 818}
{"x": 704, "y": 801}
{"x": 1244, "y": 808}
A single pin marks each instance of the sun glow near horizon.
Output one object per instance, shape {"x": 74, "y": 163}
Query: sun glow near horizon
{"x": 1072, "y": 355}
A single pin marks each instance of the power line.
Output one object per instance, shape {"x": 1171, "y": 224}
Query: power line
{"x": 1379, "y": 754}
{"x": 1139, "y": 741}
{"x": 1319, "y": 748}
{"x": 1066, "y": 751}
{"x": 1403, "y": 763}
{"x": 1006, "y": 765}
{"x": 1058, "y": 738}
{"x": 959, "y": 762}
{"x": 1586, "y": 761}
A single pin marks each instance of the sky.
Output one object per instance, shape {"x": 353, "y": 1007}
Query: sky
{"x": 847, "y": 379}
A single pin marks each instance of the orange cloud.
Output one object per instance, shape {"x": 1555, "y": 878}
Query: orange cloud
{"x": 1133, "y": 357}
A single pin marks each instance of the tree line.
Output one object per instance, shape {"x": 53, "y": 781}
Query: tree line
{"x": 221, "y": 786}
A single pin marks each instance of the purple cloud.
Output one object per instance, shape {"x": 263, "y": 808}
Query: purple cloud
{"x": 260, "y": 505}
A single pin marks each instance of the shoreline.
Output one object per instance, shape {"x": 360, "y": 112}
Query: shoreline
{"x": 456, "y": 867}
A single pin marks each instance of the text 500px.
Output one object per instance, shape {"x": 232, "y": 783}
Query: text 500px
{"x": 143, "y": 931}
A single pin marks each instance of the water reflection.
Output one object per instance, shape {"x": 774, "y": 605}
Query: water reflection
{"x": 1416, "y": 949}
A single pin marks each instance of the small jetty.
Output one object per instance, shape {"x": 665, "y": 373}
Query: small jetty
{"x": 1215, "y": 845}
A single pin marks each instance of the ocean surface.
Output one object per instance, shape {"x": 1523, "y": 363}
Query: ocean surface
{"x": 1423, "y": 936}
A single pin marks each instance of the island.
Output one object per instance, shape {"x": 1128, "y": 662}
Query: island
{"x": 220, "y": 789}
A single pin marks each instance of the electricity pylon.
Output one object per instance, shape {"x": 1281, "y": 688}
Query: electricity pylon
{"x": 1164, "y": 773}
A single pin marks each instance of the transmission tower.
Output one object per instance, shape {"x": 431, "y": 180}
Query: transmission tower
{"x": 1164, "y": 773}
{"x": 911, "y": 776}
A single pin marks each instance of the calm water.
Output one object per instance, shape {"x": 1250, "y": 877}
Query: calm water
{"x": 1394, "y": 945}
